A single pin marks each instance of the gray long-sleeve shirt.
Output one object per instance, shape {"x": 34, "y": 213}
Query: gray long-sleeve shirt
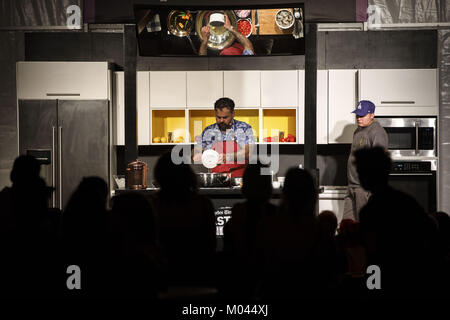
{"x": 364, "y": 137}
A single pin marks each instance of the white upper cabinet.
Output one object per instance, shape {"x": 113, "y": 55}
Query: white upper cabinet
{"x": 322, "y": 106}
{"x": 142, "y": 104}
{"x": 119, "y": 108}
{"x": 62, "y": 80}
{"x": 401, "y": 91}
{"x": 244, "y": 87}
{"x": 168, "y": 89}
{"x": 342, "y": 100}
{"x": 279, "y": 88}
{"x": 204, "y": 88}
{"x": 143, "y": 107}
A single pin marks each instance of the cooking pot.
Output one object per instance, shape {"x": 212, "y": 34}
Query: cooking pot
{"x": 214, "y": 180}
{"x": 237, "y": 181}
{"x": 136, "y": 175}
{"x": 220, "y": 179}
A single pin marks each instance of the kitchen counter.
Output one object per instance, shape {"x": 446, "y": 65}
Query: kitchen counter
{"x": 327, "y": 192}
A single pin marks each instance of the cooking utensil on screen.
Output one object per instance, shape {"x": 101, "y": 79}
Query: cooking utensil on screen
{"x": 257, "y": 22}
{"x": 219, "y": 37}
{"x": 217, "y": 19}
{"x": 298, "y": 25}
{"x": 180, "y": 24}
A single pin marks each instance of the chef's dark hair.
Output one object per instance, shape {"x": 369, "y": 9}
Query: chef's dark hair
{"x": 224, "y": 103}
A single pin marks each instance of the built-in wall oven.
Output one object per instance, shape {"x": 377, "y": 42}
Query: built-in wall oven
{"x": 418, "y": 179}
{"x": 410, "y": 136}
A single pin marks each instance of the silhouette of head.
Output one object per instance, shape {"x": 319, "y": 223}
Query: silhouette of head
{"x": 256, "y": 186}
{"x": 350, "y": 231}
{"x": 135, "y": 217}
{"x": 25, "y": 169}
{"x": 174, "y": 177}
{"x": 373, "y": 166}
{"x": 86, "y": 210}
{"x": 328, "y": 222}
{"x": 300, "y": 192}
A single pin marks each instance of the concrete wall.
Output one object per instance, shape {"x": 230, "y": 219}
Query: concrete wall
{"x": 444, "y": 121}
{"x": 12, "y": 51}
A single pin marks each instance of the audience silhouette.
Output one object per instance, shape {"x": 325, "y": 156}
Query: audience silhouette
{"x": 85, "y": 235}
{"x": 288, "y": 244}
{"x": 146, "y": 245}
{"x": 395, "y": 229}
{"x": 28, "y": 233}
{"x": 241, "y": 230}
{"x": 136, "y": 260}
{"x": 186, "y": 222}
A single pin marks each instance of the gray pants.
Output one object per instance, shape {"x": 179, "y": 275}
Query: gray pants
{"x": 356, "y": 199}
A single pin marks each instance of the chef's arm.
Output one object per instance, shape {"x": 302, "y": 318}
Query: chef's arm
{"x": 243, "y": 153}
{"x": 197, "y": 154}
{"x": 243, "y": 41}
{"x": 204, "y": 46}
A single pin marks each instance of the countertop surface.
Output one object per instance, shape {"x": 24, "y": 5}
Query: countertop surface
{"x": 332, "y": 192}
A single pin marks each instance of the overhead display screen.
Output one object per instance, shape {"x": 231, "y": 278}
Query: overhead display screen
{"x": 165, "y": 31}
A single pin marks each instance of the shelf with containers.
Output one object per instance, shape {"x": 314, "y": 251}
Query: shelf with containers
{"x": 279, "y": 125}
{"x": 200, "y": 119}
{"x": 168, "y": 126}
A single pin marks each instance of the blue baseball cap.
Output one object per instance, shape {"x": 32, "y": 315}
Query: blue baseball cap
{"x": 364, "y": 107}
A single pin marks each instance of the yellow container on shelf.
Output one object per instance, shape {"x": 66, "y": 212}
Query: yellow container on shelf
{"x": 200, "y": 119}
{"x": 279, "y": 120}
{"x": 165, "y": 121}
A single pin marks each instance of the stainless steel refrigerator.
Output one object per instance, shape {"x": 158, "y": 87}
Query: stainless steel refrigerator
{"x": 70, "y": 138}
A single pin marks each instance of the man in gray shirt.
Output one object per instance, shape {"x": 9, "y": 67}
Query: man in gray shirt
{"x": 368, "y": 134}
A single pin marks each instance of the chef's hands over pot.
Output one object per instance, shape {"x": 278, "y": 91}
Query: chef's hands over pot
{"x": 205, "y": 33}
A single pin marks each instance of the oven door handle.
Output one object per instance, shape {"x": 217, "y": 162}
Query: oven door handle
{"x": 416, "y": 124}
{"x": 410, "y": 174}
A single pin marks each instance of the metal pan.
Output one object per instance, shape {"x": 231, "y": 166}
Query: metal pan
{"x": 214, "y": 180}
{"x": 172, "y": 24}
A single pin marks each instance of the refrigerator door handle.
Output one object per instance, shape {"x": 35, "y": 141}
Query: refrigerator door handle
{"x": 53, "y": 165}
{"x": 60, "y": 165}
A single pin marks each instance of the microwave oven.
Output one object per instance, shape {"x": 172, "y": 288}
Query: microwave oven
{"x": 410, "y": 136}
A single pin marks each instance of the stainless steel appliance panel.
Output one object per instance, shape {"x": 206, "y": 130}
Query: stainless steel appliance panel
{"x": 36, "y": 119}
{"x": 418, "y": 179}
{"x": 84, "y": 140}
{"x": 37, "y": 135}
{"x": 410, "y": 136}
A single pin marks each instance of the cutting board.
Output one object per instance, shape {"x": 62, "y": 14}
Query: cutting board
{"x": 267, "y": 24}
